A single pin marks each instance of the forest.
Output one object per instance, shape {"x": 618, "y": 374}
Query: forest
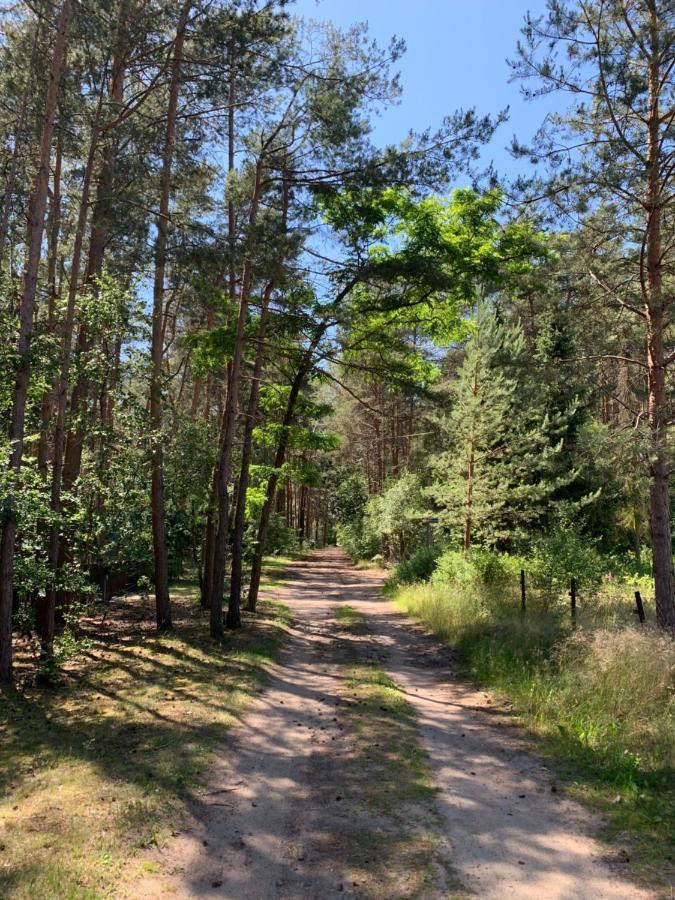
{"x": 237, "y": 333}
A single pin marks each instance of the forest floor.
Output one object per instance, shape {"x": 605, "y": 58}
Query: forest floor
{"x": 104, "y": 763}
{"x": 368, "y": 768}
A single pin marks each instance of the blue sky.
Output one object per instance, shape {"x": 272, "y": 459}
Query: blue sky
{"x": 456, "y": 57}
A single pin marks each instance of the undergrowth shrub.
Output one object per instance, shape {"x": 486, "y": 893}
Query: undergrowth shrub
{"x": 281, "y": 538}
{"x": 476, "y": 566}
{"x": 419, "y": 566}
{"x": 357, "y": 540}
{"x": 557, "y": 557}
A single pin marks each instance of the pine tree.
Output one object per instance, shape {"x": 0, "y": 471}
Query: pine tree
{"x": 505, "y": 461}
{"x": 613, "y": 148}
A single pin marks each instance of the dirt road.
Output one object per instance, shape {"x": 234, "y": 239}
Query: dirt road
{"x": 276, "y": 817}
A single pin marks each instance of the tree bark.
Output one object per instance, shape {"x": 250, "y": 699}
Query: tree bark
{"x": 10, "y": 181}
{"x": 234, "y": 603}
{"x": 470, "y": 475}
{"x": 279, "y": 459}
{"x": 228, "y": 430}
{"x": 47, "y": 604}
{"x": 161, "y": 559}
{"x": 97, "y": 244}
{"x": 659, "y": 493}
{"x": 36, "y": 224}
{"x": 48, "y": 397}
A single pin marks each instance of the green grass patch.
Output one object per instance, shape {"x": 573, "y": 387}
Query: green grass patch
{"x": 104, "y": 765}
{"x": 349, "y": 618}
{"x": 601, "y": 697}
{"x": 275, "y": 569}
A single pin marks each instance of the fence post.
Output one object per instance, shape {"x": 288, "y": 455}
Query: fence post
{"x": 573, "y": 600}
{"x": 523, "y": 599}
{"x": 640, "y": 611}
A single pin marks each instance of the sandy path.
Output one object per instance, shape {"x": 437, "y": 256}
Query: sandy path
{"x": 268, "y": 824}
{"x": 512, "y": 836}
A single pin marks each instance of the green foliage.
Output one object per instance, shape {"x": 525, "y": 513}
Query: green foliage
{"x": 419, "y": 566}
{"x": 507, "y": 460}
{"x": 428, "y": 260}
{"x": 280, "y": 537}
{"x": 349, "y": 497}
{"x": 349, "y": 505}
{"x": 395, "y": 515}
{"x": 32, "y": 511}
{"x": 477, "y": 566}
{"x": 561, "y": 555}
{"x": 24, "y": 618}
{"x": 357, "y": 539}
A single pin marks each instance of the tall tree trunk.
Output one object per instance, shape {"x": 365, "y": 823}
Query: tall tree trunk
{"x": 208, "y": 550}
{"x": 161, "y": 561}
{"x": 36, "y": 221}
{"x": 97, "y": 245}
{"x": 659, "y": 492}
{"x": 218, "y": 503}
{"x": 13, "y": 171}
{"x": 234, "y": 603}
{"x": 47, "y": 604}
{"x": 468, "y": 514}
{"x": 52, "y": 262}
{"x": 279, "y": 459}
{"x": 229, "y": 427}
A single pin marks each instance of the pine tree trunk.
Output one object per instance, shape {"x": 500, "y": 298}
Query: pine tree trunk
{"x": 13, "y": 171}
{"x": 207, "y": 555}
{"x": 279, "y": 458}
{"x": 470, "y": 475}
{"x": 228, "y": 434}
{"x": 54, "y": 230}
{"x": 161, "y": 559}
{"x": 47, "y": 604}
{"x": 97, "y": 244}
{"x": 659, "y": 493}
{"x": 36, "y": 222}
{"x": 234, "y": 604}
{"x": 218, "y": 510}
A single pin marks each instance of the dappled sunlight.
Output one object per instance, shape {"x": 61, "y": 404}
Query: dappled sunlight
{"x": 109, "y": 759}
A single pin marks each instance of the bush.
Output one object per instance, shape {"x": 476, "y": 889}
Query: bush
{"x": 562, "y": 555}
{"x": 357, "y": 540}
{"x": 419, "y": 566}
{"x": 476, "y": 566}
{"x": 281, "y": 538}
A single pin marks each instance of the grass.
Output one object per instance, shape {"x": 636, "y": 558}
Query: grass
{"x": 349, "y": 618}
{"x": 106, "y": 763}
{"x": 601, "y": 697}
{"x": 395, "y": 845}
{"x": 274, "y": 569}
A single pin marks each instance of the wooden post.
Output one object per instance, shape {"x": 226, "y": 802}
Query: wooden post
{"x": 523, "y": 599}
{"x": 640, "y": 611}
{"x": 573, "y": 600}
